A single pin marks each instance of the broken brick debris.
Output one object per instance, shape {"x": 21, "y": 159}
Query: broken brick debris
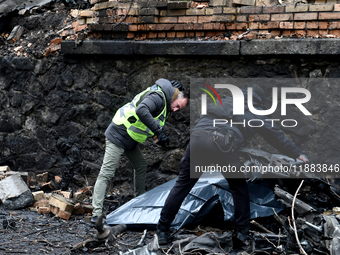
{"x": 15, "y": 34}
{"x": 38, "y": 195}
{"x": 61, "y": 206}
{"x": 42, "y": 178}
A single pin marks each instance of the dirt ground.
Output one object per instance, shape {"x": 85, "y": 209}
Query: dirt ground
{"x": 27, "y": 232}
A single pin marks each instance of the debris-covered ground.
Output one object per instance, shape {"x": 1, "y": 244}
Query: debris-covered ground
{"x": 313, "y": 228}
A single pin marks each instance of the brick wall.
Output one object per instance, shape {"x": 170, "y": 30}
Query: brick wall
{"x": 215, "y": 19}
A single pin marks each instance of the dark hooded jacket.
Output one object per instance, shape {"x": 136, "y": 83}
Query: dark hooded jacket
{"x": 150, "y": 106}
{"x": 270, "y": 132}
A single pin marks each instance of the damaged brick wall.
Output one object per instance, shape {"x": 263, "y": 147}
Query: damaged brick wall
{"x": 214, "y": 19}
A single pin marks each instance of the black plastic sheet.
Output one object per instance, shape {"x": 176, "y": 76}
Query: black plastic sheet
{"x": 144, "y": 211}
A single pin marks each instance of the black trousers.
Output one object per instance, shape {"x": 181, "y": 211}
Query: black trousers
{"x": 238, "y": 186}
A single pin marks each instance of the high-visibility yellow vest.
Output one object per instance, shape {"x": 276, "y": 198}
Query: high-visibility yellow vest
{"x": 138, "y": 130}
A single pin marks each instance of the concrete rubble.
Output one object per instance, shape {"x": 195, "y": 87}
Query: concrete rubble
{"x": 17, "y": 192}
{"x": 14, "y": 193}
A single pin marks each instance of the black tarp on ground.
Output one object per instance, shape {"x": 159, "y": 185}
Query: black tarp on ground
{"x": 144, "y": 211}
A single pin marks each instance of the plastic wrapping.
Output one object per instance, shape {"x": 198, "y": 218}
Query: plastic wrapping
{"x": 144, "y": 211}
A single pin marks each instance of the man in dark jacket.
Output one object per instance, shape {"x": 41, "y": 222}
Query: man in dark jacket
{"x": 133, "y": 123}
{"x": 218, "y": 145}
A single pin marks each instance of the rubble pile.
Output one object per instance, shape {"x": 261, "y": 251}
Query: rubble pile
{"x": 18, "y": 190}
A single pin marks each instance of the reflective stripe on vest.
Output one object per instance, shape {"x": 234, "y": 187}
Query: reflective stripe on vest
{"x": 138, "y": 130}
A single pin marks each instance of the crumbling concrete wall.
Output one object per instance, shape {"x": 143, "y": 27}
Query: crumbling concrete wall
{"x": 54, "y": 111}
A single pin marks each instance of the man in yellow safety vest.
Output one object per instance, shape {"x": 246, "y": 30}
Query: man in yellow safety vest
{"x": 133, "y": 123}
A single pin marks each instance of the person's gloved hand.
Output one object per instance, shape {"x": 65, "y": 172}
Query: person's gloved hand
{"x": 162, "y": 138}
{"x": 177, "y": 84}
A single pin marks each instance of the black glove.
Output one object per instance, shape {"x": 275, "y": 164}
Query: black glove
{"x": 177, "y": 84}
{"x": 162, "y": 138}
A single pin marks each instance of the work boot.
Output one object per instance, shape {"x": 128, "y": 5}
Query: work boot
{"x": 94, "y": 220}
{"x": 163, "y": 237}
{"x": 243, "y": 241}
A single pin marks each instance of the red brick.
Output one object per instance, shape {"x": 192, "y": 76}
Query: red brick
{"x": 321, "y": 7}
{"x": 247, "y": 9}
{"x": 223, "y": 18}
{"x": 231, "y": 10}
{"x": 147, "y": 19}
{"x": 219, "y": 33}
{"x": 323, "y": 32}
{"x": 222, "y": 26}
{"x": 329, "y": 15}
{"x": 337, "y": 7}
{"x": 109, "y": 12}
{"x": 178, "y": 27}
{"x": 204, "y": 19}
{"x": 180, "y": 34}
{"x": 171, "y": 34}
{"x": 323, "y": 25}
{"x": 169, "y": 27}
{"x": 263, "y": 31}
{"x": 187, "y": 19}
{"x": 306, "y": 16}
{"x": 161, "y": 35}
{"x": 188, "y": 26}
{"x": 143, "y": 36}
{"x": 230, "y": 26}
{"x": 209, "y": 34}
{"x": 314, "y": 33}
{"x": 64, "y": 215}
{"x": 121, "y": 12}
{"x": 208, "y": 26}
{"x": 273, "y": 9}
{"x": 297, "y": 8}
{"x": 217, "y": 26}
{"x": 275, "y": 32}
{"x": 54, "y": 209}
{"x": 160, "y": 27}
{"x": 78, "y": 210}
{"x": 241, "y": 18}
{"x": 286, "y": 25}
{"x": 334, "y": 24}
{"x": 335, "y": 32}
{"x": 300, "y": 33}
{"x": 269, "y": 25}
{"x": 131, "y": 20}
{"x": 163, "y": 13}
{"x": 253, "y": 25}
{"x": 167, "y": 20}
{"x": 299, "y": 25}
{"x": 130, "y": 35}
{"x": 199, "y": 34}
{"x": 80, "y": 27}
{"x": 217, "y": 10}
{"x": 109, "y": 27}
{"x": 259, "y": 17}
{"x": 151, "y": 27}
{"x": 312, "y": 25}
{"x": 241, "y": 26}
{"x": 152, "y": 35}
{"x": 176, "y": 13}
{"x": 190, "y": 34}
{"x": 287, "y": 32}
{"x": 43, "y": 210}
{"x": 198, "y": 26}
{"x": 281, "y": 17}
{"x": 141, "y": 27}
